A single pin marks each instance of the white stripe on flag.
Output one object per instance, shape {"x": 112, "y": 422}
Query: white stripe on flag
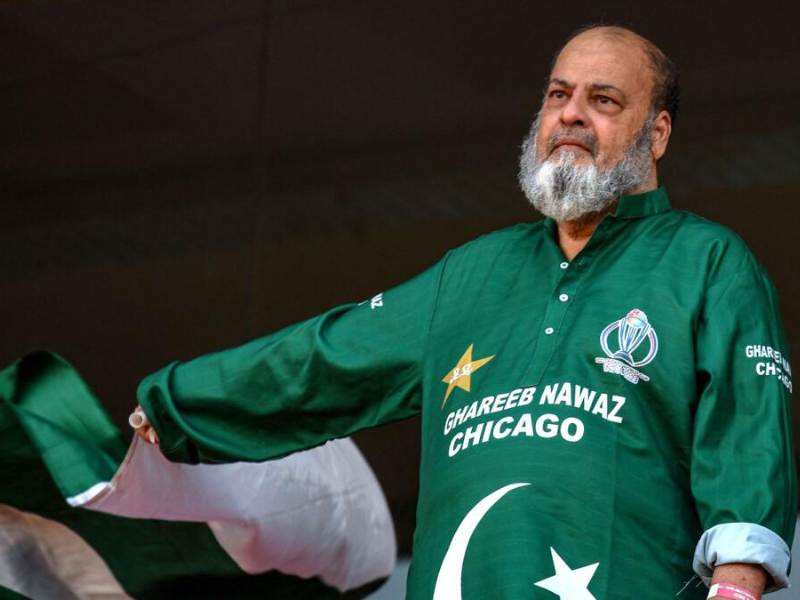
{"x": 88, "y": 495}
{"x": 318, "y": 513}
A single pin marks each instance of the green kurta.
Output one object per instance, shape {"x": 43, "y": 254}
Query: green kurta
{"x": 583, "y": 423}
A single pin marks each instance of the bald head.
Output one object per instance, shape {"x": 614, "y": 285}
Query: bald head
{"x": 664, "y": 85}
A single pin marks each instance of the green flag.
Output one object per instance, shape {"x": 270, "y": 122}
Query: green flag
{"x": 7, "y": 594}
{"x": 63, "y": 461}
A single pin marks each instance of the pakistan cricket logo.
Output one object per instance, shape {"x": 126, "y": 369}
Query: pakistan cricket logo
{"x": 632, "y": 331}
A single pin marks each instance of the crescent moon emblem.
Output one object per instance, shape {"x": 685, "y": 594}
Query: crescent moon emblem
{"x": 448, "y": 583}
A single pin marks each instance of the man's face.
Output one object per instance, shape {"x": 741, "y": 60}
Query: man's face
{"x": 592, "y": 140}
{"x": 597, "y": 99}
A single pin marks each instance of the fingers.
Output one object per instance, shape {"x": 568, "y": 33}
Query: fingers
{"x": 142, "y": 427}
{"x": 148, "y": 434}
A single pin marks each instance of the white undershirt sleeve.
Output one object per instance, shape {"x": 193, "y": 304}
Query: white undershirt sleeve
{"x": 743, "y": 543}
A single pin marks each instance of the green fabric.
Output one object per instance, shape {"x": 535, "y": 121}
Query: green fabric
{"x": 71, "y": 432}
{"x": 626, "y": 463}
{"x": 6, "y": 594}
{"x": 56, "y": 440}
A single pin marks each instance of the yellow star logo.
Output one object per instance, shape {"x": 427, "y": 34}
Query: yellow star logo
{"x": 461, "y": 375}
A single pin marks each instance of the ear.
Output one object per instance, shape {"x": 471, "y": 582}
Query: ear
{"x": 662, "y": 128}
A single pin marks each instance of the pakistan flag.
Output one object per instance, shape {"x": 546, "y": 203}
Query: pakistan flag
{"x": 84, "y": 516}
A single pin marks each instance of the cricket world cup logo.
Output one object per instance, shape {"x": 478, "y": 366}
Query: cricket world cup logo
{"x": 633, "y": 331}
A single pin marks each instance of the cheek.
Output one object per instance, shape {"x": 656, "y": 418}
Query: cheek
{"x": 541, "y": 146}
{"x": 611, "y": 145}
{"x": 547, "y": 126}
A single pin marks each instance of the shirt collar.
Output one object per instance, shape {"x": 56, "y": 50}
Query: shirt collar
{"x": 635, "y": 206}
{"x": 645, "y": 204}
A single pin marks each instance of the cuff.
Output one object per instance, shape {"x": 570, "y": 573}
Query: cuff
{"x": 155, "y": 399}
{"x": 743, "y": 543}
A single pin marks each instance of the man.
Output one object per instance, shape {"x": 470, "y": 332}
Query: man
{"x": 604, "y": 394}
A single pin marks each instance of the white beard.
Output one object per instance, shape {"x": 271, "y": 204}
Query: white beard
{"x": 565, "y": 191}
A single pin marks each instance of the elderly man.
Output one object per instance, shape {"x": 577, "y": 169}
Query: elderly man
{"x": 605, "y": 395}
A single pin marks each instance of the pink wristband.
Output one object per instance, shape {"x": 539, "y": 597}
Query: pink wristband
{"x": 727, "y": 590}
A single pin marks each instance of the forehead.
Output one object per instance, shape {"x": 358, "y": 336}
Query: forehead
{"x": 596, "y": 57}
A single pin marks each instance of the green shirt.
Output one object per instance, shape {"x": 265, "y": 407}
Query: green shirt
{"x": 584, "y": 424}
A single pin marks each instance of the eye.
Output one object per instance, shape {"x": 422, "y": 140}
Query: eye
{"x": 605, "y": 100}
{"x": 557, "y": 94}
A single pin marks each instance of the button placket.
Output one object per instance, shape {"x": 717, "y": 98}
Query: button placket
{"x": 560, "y": 301}
{"x": 562, "y": 297}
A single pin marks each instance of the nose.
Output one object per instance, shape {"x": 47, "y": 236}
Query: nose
{"x": 574, "y": 113}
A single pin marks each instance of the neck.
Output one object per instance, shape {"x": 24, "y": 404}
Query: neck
{"x": 574, "y": 235}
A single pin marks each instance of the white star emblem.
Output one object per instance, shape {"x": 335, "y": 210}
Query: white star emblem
{"x": 567, "y": 583}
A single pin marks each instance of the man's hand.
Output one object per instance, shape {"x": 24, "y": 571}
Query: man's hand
{"x": 750, "y": 577}
{"x": 142, "y": 427}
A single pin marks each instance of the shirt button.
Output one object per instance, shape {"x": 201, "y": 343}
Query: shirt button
{"x": 549, "y": 331}
{"x": 564, "y": 265}
{"x": 563, "y": 297}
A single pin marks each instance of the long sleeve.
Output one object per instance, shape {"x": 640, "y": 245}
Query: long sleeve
{"x": 353, "y": 367}
{"x": 743, "y": 471}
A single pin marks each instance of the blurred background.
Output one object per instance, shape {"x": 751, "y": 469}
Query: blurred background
{"x": 179, "y": 177}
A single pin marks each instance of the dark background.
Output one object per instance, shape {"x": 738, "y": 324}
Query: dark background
{"x": 183, "y": 176}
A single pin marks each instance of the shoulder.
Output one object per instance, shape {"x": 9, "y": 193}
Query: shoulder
{"x": 720, "y": 252}
{"x": 707, "y": 231}
{"x": 513, "y": 239}
{"x": 507, "y": 248}
{"x": 723, "y": 251}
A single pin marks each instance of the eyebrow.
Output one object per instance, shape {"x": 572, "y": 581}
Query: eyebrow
{"x": 604, "y": 87}
{"x": 601, "y": 87}
{"x": 561, "y": 82}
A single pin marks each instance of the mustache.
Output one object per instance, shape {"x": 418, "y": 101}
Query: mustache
{"x": 586, "y": 138}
